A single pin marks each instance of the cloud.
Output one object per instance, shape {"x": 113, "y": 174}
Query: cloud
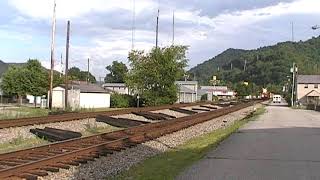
{"x": 101, "y": 30}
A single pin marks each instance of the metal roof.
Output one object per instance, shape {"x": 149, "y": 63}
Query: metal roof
{"x": 87, "y": 88}
{"x": 187, "y": 82}
{"x": 313, "y": 93}
{"x": 308, "y": 79}
{"x": 114, "y": 85}
{"x": 215, "y": 88}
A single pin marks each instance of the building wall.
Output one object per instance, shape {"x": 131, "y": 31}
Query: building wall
{"x": 186, "y": 97}
{"x": 302, "y": 91}
{"x": 57, "y": 97}
{"x": 94, "y": 100}
{"x": 120, "y": 90}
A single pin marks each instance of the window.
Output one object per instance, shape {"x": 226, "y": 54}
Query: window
{"x": 306, "y": 86}
{"x": 316, "y": 86}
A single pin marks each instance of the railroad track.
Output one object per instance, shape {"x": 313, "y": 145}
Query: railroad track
{"x": 76, "y": 116}
{"x": 31, "y": 163}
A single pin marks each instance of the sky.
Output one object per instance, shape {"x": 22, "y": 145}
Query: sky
{"x": 101, "y": 30}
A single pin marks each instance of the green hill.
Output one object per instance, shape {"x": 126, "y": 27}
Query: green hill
{"x": 264, "y": 66}
{"x": 4, "y": 66}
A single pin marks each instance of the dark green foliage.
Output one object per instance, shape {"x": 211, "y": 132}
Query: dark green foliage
{"x": 76, "y": 74}
{"x": 118, "y": 72}
{"x": 122, "y": 101}
{"x": 153, "y": 74}
{"x": 265, "y": 67}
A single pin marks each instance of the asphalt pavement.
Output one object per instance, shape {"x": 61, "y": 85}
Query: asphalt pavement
{"x": 283, "y": 143}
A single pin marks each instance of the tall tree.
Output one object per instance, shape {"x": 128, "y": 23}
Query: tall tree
{"x": 78, "y": 75}
{"x": 153, "y": 74}
{"x": 118, "y": 72}
{"x": 15, "y": 82}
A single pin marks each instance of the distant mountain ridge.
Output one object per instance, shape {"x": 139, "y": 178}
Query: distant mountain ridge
{"x": 262, "y": 66}
{"x": 4, "y": 66}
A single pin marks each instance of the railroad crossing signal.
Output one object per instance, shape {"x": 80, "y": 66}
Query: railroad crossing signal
{"x": 214, "y": 80}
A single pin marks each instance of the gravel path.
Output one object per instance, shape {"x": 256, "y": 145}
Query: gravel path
{"x": 113, "y": 164}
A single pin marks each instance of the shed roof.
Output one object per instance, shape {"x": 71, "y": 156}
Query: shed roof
{"x": 87, "y": 88}
{"x": 308, "y": 79}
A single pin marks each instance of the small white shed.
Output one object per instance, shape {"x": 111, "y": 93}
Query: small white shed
{"x": 81, "y": 95}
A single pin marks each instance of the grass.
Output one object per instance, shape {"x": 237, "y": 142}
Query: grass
{"x": 169, "y": 164}
{"x": 92, "y": 129}
{"x": 20, "y": 143}
{"x": 22, "y": 112}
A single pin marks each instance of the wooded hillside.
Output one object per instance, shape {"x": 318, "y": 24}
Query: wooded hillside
{"x": 266, "y": 66}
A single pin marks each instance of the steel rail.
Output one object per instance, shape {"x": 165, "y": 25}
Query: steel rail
{"x": 73, "y": 152}
{"x": 76, "y": 116}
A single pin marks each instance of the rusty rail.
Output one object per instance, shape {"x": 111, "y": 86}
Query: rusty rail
{"x": 31, "y": 163}
{"x": 76, "y": 116}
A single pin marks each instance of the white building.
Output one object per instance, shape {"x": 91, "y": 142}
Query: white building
{"x": 187, "y": 91}
{"x": 120, "y": 88}
{"x": 81, "y": 95}
{"x": 218, "y": 91}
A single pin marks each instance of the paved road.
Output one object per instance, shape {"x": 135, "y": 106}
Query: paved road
{"x": 283, "y": 144}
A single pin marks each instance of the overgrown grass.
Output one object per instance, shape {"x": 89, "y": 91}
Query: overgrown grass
{"x": 92, "y": 128}
{"x": 169, "y": 164}
{"x": 22, "y": 112}
{"x": 20, "y": 143}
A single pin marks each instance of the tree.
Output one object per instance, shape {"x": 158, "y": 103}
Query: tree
{"x": 15, "y": 82}
{"x": 30, "y": 79}
{"x": 78, "y": 75}
{"x": 153, "y": 74}
{"x": 118, "y": 72}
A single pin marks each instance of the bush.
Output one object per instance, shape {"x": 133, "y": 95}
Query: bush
{"x": 122, "y": 101}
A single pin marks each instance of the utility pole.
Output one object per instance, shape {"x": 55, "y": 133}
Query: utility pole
{"x": 245, "y": 65}
{"x": 88, "y": 75}
{"x": 292, "y": 32}
{"x": 133, "y": 23}
{"x": 293, "y": 70}
{"x": 231, "y": 66}
{"x": 61, "y": 65}
{"x": 157, "y": 29}
{"x": 173, "y": 24}
{"x": 66, "y": 81}
{"x": 52, "y": 54}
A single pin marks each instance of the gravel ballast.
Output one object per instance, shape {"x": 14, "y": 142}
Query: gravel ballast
{"x": 120, "y": 161}
{"x": 9, "y": 134}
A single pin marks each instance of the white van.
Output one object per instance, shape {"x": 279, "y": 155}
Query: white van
{"x": 276, "y": 99}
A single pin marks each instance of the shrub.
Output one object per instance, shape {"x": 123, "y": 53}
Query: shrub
{"x": 122, "y": 101}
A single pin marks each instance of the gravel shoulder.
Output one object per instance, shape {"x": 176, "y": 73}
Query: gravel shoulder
{"x": 113, "y": 164}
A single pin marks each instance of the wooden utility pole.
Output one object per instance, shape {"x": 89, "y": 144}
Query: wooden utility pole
{"x": 133, "y": 23}
{"x": 173, "y": 28}
{"x": 88, "y": 75}
{"x": 157, "y": 29}
{"x": 52, "y": 54}
{"x": 66, "y": 80}
{"x": 245, "y": 65}
{"x": 292, "y": 32}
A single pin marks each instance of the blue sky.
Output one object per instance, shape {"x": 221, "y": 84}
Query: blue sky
{"x": 101, "y": 29}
